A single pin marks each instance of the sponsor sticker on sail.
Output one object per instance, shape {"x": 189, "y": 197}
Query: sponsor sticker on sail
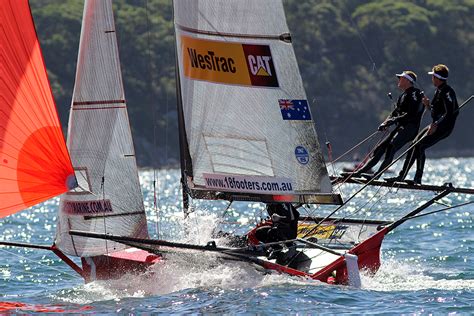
{"x": 227, "y": 62}
{"x": 302, "y": 155}
{"x": 87, "y": 207}
{"x": 248, "y": 184}
{"x": 296, "y": 110}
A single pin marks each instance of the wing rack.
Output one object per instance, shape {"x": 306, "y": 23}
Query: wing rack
{"x": 403, "y": 185}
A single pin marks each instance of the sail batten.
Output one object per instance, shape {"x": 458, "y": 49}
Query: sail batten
{"x": 247, "y": 121}
{"x": 99, "y": 102}
{"x": 286, "y": 37}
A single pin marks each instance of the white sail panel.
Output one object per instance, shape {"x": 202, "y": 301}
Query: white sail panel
{"x": 244, "y": 105}
{"x": 109, "y": 199}
{"x": 262, "y": 17}
{"x": 226, "y": 153}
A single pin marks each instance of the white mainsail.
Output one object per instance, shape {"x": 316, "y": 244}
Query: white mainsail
{"x": 246, "y": 124}
{"x": 109, "y": 199}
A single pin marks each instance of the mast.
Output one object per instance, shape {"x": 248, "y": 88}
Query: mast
{"x": 185, "y": 158}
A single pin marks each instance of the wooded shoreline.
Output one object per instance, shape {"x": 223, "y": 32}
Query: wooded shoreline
{"x": 348, "y": 53}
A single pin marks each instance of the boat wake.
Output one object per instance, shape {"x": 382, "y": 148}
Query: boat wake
{"x": 184, "y": 270}
{"x": 181, "y": 273}
{"x": 190, "y": 270}
{"x": 402, "y": 276}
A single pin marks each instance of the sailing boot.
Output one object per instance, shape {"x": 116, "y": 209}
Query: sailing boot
{"x": 417, "y": 179}
{"x": 394, "y": 179}
{"x": 368, "y": 176}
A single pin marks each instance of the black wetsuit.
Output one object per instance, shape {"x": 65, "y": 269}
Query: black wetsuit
{"x": 283, "y": 229}
{"x": 444, "y": 111}
{"x": 407, "y": 116}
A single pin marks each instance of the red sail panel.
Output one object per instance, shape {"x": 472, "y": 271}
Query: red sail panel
{"x": 34, "y": 161}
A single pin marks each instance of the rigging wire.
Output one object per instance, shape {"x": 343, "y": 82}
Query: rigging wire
{"x": 365, "y": 158}
{"x": 359, "y": 209}
{"x": 366, "y": 49}
{"x": 39, "y": 263}
{"x": 375, "y": 70}
{"x": 356, "y": 146}
{"x": 328, "y": 143}
{"x": 102, "y": 187}
{"x": 221, "y": 219}
{"x": 313, "y": 105}
{"x": 367, "y": 183}
{"x": 151, "y": 82}
{"x": 440, "y": 210}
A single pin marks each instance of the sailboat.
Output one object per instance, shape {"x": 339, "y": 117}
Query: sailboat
{"x": 108, "y": 198}
{"x": 97, "y": 172}
{"x": 246, "y": 134}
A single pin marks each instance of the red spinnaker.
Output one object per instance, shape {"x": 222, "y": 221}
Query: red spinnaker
{"x": 34, "y": 161}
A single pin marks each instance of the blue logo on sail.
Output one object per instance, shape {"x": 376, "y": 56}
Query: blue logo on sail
{"x": 297, "y": 110}
{"x": 301, "y": 155}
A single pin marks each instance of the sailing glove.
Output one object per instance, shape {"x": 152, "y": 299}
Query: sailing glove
{"x": 276, "y": 218}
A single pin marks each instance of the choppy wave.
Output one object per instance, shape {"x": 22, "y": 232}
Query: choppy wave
{"x": 426, "y": 267}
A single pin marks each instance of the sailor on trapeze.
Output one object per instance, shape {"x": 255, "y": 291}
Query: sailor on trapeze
{"x": 444, "y": 111}
{"x": 406, "y": 116}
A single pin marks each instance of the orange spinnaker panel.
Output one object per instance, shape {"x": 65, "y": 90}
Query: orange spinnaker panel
{"x": 34, "y": 161}
{"x": 16, "y": 307}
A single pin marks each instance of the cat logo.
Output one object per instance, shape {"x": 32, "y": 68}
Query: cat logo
{"x": 227, "y": 62}
{"x": 260, "y": 64}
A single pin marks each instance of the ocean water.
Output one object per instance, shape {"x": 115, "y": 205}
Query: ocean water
{"x": 427, "y": 263}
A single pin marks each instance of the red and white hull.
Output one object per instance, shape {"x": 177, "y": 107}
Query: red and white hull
{"x": 116, "y": 265}
{"x": 331, "y": 263}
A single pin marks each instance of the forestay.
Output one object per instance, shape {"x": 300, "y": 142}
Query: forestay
{"x": 108, "y": 199}
{"x": 247, "y": 129}
{"x": 34, "y": 162}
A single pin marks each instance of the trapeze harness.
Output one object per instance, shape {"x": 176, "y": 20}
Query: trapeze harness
{"x": 444, "y": 111}
{"x": 407, "y": 116}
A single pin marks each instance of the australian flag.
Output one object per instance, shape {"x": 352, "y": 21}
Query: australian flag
{"x": 295, "y": 110}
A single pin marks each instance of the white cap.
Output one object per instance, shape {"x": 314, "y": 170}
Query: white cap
{"x": 407, "y": 76}
{"x": 436, "y": 75}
